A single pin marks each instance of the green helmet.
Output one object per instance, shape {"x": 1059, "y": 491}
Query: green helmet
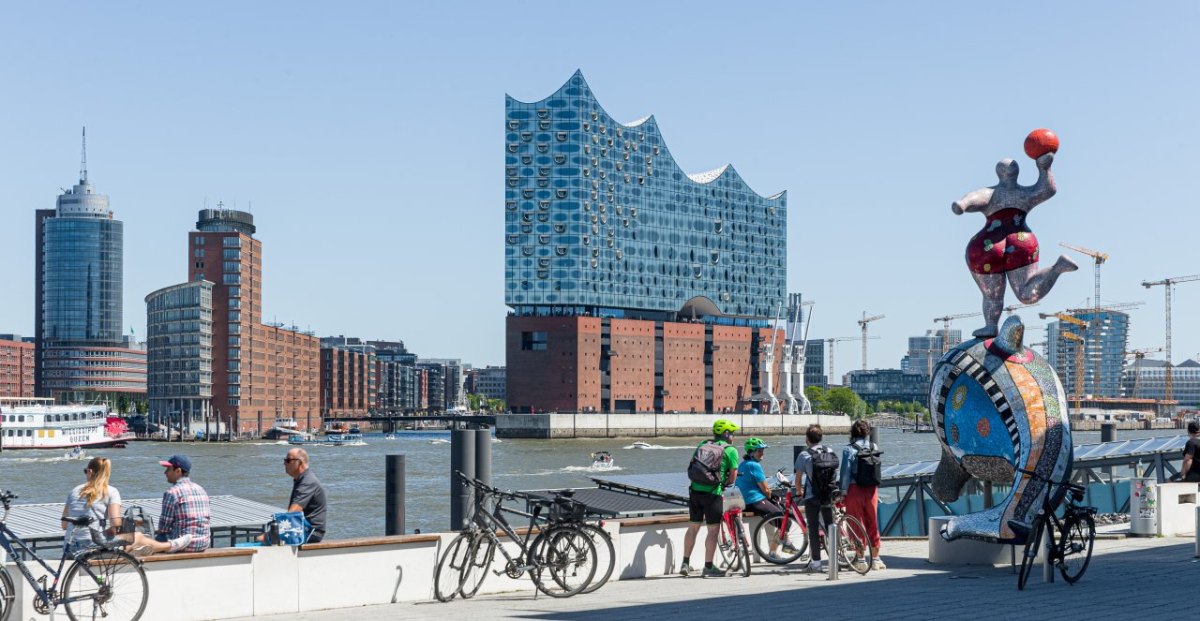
{"x": 723, "y": 426}
{"x": 753, "y": 444}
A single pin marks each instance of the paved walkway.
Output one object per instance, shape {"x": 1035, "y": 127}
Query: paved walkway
{"x": 1128, "y": 579}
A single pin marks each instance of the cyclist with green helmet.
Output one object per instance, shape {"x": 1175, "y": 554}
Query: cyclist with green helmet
{"x": 752, "y": 482}
{"x": 705, "y": 502}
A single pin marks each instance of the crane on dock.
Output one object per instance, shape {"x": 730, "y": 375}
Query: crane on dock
{"x": 862, "y": 323}
{"x": 1168, "y": 284}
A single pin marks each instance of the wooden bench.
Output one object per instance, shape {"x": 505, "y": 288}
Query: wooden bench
{"x": 207, "y": 554}
{"x": 359, "y": 542}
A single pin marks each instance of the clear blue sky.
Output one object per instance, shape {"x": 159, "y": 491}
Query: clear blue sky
{"x": 368, "y": 138}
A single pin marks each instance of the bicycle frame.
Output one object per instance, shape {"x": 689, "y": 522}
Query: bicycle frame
{"x": 487, "y": 522}
{"x": 7, "y": 540}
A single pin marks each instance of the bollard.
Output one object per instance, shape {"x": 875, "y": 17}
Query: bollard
{"x": 483, "y": 454}
{"x": 462, "y": 459}
{"x": 988, "y": 497}
{"x": 394, "y": 496}
{"x": 874, "y": 436}
{"x": 831, "y": 542}
{"x": 1108, "y": 433}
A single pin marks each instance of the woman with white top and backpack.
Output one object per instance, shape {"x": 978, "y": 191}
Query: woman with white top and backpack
{"x": 96, "y": 499}
{"x": 860, "y": 484}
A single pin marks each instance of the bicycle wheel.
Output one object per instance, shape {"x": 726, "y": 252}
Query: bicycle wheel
{"x": 8, "y": 594}
{"x": 564, "y": 561}
{"x": 448, "y": 577}
{"x": 108, "y": 584}
{"x": 743, "y": 548}
{"x": 1031, "y": 552}
{"x": 606, "y": 555}
{"x": 1079, "y": 533}
{"x": 726, "y": 558}
{"x": 782, "y": 532}
{"x": 478, "y": 564}
{"x": 854, "y": 546}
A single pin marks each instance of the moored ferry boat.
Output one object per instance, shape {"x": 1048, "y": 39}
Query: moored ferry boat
{"x": 30, "y": 423}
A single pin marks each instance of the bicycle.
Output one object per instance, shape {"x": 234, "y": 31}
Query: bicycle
{"x": 1071, "y": 551}
{"x": 99, "y": 581}
{"x": 560, "y": 559}
{"x": 783, "y": 539}
{"x": 565, "y": 510}
{"x": 733, "y": 551}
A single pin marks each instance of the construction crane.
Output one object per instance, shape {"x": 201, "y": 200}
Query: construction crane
{"x": 1138, "y": 356}
{"x": 948, "y": 318}
{"x": 833, "y": 345}
{"x": 1092, "y": 347}
{"x": 1098, "y": 259}
{"x": 1065, "y": 317}
{"x": 1168, "y": 284}
{"x": 862, "y": 323}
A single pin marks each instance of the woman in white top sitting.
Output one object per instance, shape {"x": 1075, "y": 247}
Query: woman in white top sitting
{"x": 97, "y": 499}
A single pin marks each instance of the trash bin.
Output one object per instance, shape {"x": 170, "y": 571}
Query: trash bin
{"x": 1143, "y": 508}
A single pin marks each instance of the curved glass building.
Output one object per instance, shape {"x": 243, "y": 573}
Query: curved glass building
{"x": 599, "y": 219}
{"x": 634, "y": 286}
{"x": 82, "y": 354}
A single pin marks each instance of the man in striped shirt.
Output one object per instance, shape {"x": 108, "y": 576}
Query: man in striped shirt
{"x": 185, "y": 513}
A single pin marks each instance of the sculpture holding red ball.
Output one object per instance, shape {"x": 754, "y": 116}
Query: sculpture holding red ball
{"x": 1006, "y": 249}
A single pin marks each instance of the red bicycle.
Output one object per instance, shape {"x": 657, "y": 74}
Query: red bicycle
{"x": 783, "y": 539}
{"x": 733, "y": 551}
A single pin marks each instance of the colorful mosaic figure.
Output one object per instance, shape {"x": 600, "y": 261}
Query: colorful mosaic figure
{"x": 1006, "y": 247}
{"x": 998, "y": 408}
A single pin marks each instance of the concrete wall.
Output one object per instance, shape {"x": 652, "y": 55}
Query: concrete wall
{"x": 655, "y": 425}
{"x": 243, "y": 582}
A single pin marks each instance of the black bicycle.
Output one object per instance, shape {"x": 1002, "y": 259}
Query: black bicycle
{"x": 561, "y": 559}
{"x": 99, "y": 582}
{"x": 1071, "y": 537}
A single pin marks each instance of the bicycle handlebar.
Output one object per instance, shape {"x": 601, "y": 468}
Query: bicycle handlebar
{"x": 1065, "y": 482}
{"x": 487, "y": 489}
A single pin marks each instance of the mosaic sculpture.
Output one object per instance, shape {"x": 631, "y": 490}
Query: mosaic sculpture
{"x": 998, "y": 407}
{"x": 1005, "y": 248}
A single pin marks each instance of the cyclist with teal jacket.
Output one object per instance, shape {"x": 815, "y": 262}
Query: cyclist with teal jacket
{"x": 752, "y": 482}
{"x": 705, "y": 502}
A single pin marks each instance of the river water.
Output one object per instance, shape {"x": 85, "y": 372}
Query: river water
{"x": 354, "y": 475}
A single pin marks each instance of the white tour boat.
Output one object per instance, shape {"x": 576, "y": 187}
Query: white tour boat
{"x": 31, "y": 423}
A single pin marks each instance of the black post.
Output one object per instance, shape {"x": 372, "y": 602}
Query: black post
{"x": 394, "y": 495}
{"x": 462, "y": 459}
{"x": 1108, "y": 433}
{"x": 483, "y": 454}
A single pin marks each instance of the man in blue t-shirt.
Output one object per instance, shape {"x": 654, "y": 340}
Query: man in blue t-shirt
{"x": 752, "y": 483}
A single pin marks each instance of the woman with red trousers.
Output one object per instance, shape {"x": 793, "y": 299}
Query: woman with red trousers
{"x": 862, "y": 500}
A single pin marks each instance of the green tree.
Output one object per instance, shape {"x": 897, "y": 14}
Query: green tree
{"x": 816, "y": 396}
{"x": 843, "y": 401}
{"x": 141, "y": 406}
{"x": 123, "y": 404}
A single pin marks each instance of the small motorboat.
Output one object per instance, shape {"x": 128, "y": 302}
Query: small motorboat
{"x": 641, "y": 445}
{"x": 75, "y": 453}
{"x": 390, "y": 436}
{"x": 602, "y": 460}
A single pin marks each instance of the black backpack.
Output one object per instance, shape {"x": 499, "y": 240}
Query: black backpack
{"x": 705, "y": 467}
{"x": 823, "y": 482}
{"x": 868, "y": 468}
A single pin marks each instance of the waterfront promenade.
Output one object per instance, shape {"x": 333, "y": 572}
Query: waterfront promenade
{"x": 1129, "y": 578}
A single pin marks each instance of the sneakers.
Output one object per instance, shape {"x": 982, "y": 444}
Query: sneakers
{"x": 180, "y": 543}
{"x": 788, "y": 548}
{"x": 878, "y": 565}
{"x": 816, "y": 567}
{"x": 142, "y": 550}
{"x": 685, "y": 569}
{"x": 713, "y": 572}
{"x": 860, "y": 565}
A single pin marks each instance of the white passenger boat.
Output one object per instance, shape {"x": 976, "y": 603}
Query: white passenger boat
{"x": 30, "y": 423}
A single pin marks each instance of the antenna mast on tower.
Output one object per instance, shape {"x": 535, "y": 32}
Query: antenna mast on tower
{"x": 83, "y": 158}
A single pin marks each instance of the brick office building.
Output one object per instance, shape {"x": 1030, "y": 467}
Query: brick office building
{"x": 349, "y": 372}
{"x": 260, "y": 372}
{"x": 16, "y": 367}
{"x": 634, "y": 287}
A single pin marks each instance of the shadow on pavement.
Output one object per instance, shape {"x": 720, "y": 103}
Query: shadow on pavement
{"x": 1137, "y": 584}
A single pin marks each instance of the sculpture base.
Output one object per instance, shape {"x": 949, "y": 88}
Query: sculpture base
{"x": 965, "y": 551}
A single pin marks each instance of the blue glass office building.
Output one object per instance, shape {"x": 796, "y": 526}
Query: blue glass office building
{"x": 600, "y": 221}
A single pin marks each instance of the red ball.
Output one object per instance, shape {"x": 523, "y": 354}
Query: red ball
{"x": 1040, "y": 142}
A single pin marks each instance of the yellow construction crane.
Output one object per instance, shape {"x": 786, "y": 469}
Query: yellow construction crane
{"x": 862, "y": 323}
{"x": 1168, "y": 284}
{"x": 833, "y": 344}
{"x": 1138, "y": 356}
{"x": 1079, "y": 346}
